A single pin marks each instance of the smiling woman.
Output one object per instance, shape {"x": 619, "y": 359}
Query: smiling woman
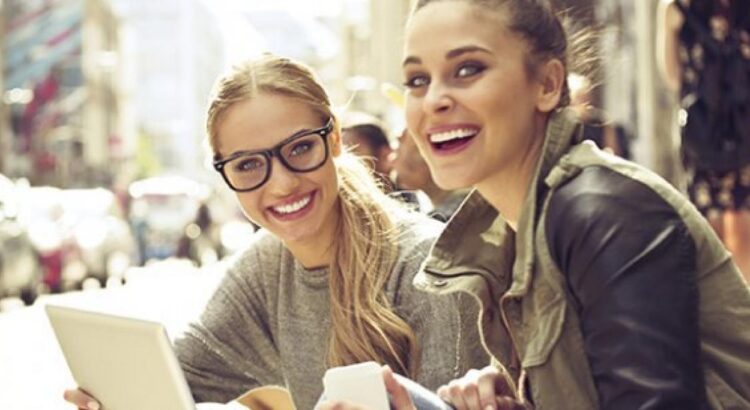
{"x": 328, "y": 281}
{"x": 581, "y": 285}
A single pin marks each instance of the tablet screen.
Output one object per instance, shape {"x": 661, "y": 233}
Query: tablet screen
{"x": 125, "y": 363}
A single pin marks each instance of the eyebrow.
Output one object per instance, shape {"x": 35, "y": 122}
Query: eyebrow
{"x": 456, "y": 52}
{"x": 297, "y": 134}
{"x": 244, "y": 152}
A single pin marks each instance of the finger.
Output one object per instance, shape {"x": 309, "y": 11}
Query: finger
{"x": 79, "y": 398}
{"x": 471, "y": 396}
{"x": 455, "y": 392}
{"x": 443, "y": 393}
{"x": 487, "y": 386}
{"x": 400, "y": 399}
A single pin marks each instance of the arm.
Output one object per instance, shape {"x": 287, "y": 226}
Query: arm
{"x": 668, "y": 27}
{"x": 630, "y": 264}
{"x": 230, "y": 349}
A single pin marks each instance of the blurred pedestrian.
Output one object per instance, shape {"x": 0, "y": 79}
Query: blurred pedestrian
{"x": 327, "y": 281}
{"x": 600, "y": 285}
{"x": 200, "y": 242}
{"x": 410, "y": 172}
{"x": 608, "y": 135}
{"x": 363, "y": 135}
{"x": 704, "y": 54}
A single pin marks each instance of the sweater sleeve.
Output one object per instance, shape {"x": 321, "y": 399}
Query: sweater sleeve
{"x": 629, "y": 261}
{"x": 445, "y": 325}
{"x": 231, "y": 348}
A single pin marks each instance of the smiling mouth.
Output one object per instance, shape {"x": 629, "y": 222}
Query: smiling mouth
{"x": 453, "y": 139}
{"x": 293, "y": 209}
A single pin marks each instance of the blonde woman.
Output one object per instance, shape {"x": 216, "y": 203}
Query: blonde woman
{"x": 328, "y": 281}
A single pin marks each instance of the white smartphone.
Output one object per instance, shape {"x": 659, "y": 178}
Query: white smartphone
{"x": 360, "y": 384}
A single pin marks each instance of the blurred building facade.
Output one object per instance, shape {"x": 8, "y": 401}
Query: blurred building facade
{"x": 177, "y": 51}
{"x": 85, "y": 81}
{"x": 90, "y": 87}
{"x": 61, "y": 92}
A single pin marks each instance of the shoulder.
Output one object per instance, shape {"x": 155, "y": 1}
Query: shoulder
{"x": 415, "y": 235}
{"x": 416, "y": 231}
{"x": 601, "y": 210}
{"x": 264, "y": 250}
{"x": 600, "y": 192}
{"x": 603, "y": 204}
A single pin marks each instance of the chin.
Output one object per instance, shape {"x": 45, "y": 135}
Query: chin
{"x": 297, "y": 236}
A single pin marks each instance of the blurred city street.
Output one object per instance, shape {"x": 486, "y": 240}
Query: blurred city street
{"x": 112, "y": 198}
{"x": 34, "y": 374}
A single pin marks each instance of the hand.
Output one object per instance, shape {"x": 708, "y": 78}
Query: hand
{"x": 81, "y": 399}
{"x": 400, "y": 399}
{"x": 481, "y": 390}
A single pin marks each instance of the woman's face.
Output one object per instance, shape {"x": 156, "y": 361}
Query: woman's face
{"x": 296, "y": 207}
{"x": 471, "y": 105}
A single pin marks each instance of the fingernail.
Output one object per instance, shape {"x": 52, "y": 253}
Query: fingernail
{"x": 489, "y": 407}
{"x": 92, "y": 405}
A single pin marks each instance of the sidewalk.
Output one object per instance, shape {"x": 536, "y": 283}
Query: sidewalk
{"x": 33, "y": 372}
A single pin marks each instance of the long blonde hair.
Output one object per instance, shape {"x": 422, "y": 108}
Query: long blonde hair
{"x": 363, "y": 324}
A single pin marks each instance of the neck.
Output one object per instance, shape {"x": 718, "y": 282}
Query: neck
{"x": 507, "y": 189}
{"x": 312, "y": 257}
{"x": 437, "y": 195}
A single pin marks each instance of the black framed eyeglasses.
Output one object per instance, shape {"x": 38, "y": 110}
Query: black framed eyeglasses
{"x": 304, "y": 151}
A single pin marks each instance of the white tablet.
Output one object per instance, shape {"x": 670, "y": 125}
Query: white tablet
{"x": 125, "y": 363}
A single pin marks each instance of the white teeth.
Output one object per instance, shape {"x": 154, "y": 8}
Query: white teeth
{"x": 293, "y": 207}
{"x": 452, "y": 135}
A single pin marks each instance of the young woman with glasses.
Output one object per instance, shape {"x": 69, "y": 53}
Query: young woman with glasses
{"x": 328, "y": 281}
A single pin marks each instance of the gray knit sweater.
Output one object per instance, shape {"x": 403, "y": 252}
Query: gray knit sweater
{"x": 268, "y": 323}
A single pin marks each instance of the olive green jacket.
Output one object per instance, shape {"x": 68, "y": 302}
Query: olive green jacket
{"x": 528, "y": 321}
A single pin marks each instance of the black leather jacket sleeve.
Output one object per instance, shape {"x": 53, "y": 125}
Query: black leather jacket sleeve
{"x": 629, "y": 261}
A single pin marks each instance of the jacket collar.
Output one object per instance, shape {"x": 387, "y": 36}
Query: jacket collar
{"x": 478, "y": 240}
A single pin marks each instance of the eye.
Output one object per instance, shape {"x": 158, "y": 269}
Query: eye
{"x": 248, "y": 164}
{"x": 301, "y": 147}
{"x": 469, "y": 69}
{"x": 416, "y": 81}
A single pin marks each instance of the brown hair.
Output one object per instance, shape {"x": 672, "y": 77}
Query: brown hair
{"x": 545, "y": 32}
{"x": 363, "y": 324}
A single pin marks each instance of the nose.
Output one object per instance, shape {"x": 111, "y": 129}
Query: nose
{"x": 437, "y": 99}
{"x": 282, "y": 181}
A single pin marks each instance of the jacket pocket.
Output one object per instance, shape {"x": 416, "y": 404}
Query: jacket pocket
{"x": 544, "y": 317}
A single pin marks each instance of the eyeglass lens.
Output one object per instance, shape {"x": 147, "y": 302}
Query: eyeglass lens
{"x": 301, "y": 154}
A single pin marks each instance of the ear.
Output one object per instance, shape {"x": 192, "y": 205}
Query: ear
{"x": 335, "y": 140}
{"x": 551, "y": 78}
